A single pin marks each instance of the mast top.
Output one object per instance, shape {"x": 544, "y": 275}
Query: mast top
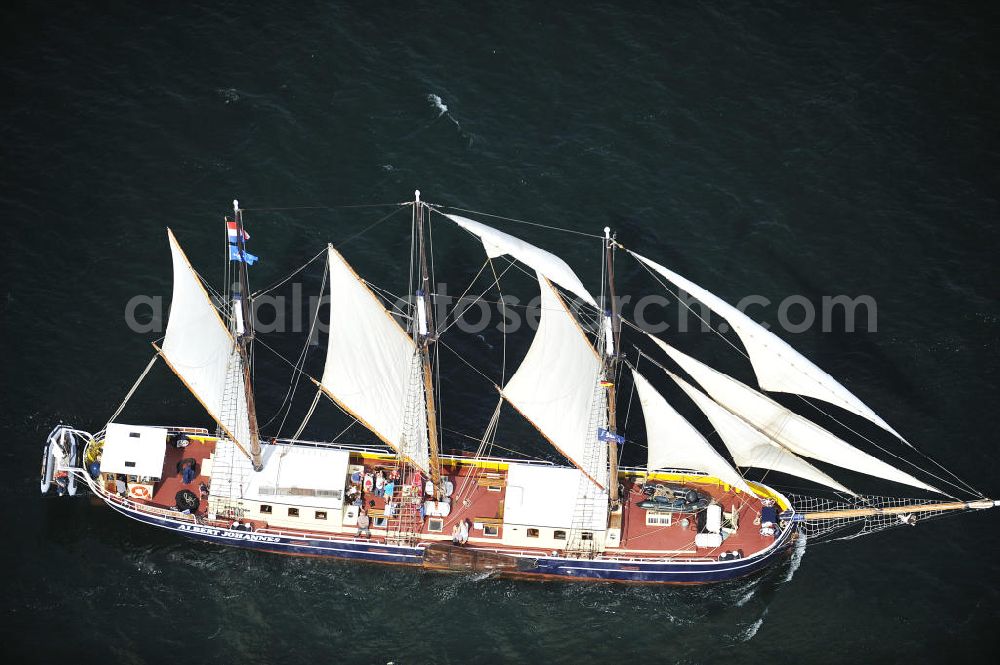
{"x": 416, "y": 193}
{"x": 236, "y": 206}
{"x": 607, "y": 233}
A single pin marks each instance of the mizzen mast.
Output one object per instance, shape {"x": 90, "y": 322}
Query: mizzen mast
{"x": 613, "y": 325}
{"x": 244, "y": 334}
{"x": 424, "y": 335}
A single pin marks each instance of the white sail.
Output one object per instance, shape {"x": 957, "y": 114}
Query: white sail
{"x": 557, "y": 387}
{"x": 751, "y": 448}
{"x": 674, "y": 443}
{"x": 497, "y": 243}
{"x": 373, "y": 366}
{"x": 794, "y": 432}
{"x": 235, "y": 414}
{"x": 200, "y": 350}
{"x": 779, "y": 367}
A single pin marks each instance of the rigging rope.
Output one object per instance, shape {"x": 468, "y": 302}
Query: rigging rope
{"x": 503, "y": 328}
{"x": 309, "y": 413}
{"x": 289, "y": 277}
{"x": 445, "y": 323}
{"x": 301, "y": 362}
{"x": 131, "y": 392}
{"x": 369, "y": 227}
{"x": 520, "y": 221}
{"x": 496, "y": 281}
{"x": 332, "y": 207}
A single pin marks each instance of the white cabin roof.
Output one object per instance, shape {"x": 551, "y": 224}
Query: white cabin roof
{"x": 134, "y": 450}
{"x": 292, "y": 475}
{"x": 546, "y": 496}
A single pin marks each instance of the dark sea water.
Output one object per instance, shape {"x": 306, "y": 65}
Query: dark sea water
{"x": 775, "y": 148}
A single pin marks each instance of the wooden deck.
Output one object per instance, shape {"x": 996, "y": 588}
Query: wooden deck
{"x": 165, "y": 491}
{"x": 640, "y": 539}
{"x": 471, "y": 499}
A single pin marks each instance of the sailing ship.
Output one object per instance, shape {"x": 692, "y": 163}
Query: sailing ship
{"x": 690, "y": 515}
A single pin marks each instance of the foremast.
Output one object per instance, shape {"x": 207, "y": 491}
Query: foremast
{"x": 243, "y": 333}
{"x": 424, "y": 336}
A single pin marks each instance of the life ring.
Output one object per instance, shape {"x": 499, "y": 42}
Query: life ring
{"x": 139, "y": 492}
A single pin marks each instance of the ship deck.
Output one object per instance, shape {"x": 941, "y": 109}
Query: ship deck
{"x": 165, "y": 491}
{"x": 677, "y": 538}
{"x": 478, "y": 498}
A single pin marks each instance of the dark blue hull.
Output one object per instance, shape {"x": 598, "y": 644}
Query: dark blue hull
{"x": 663, "y": 572}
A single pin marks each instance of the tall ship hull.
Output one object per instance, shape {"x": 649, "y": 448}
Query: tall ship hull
{"x": 493, "y": 546}
{"x": 690, "y": 515}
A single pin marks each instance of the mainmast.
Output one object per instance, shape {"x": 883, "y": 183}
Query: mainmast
{"x": 244, "y": 336}
{"x": 610, "y": 358}
{"x": 424, "y": 335}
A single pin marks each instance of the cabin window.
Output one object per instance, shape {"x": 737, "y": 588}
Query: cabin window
{"x": 435, "y": 524}
{"x": 265, "y": 509}
{"x": 532, "y": 533}
{"x": 293, "y": 512}
{"x": 380, "y": 522}
{"x": 491, "y": 530}
{"x": 559, "y": 534}
{"x": 587, "y": 535}
{"x": 135, "y": 435}
{"x": 130, "y": 465}
{"x": 493, "y": 488}
{"x": 321, "y": 514}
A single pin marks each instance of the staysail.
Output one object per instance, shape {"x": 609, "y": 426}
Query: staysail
{"x": 497, "y": 243}
{"x": 373, "y": 369}
{"x": 674, "y": 443}
{"x": 794, "y": 432}
{"x": 557, "y": 387}
{"x": 200, "y": 350}
{"x": 779, "y": 367}
{"x": 750, "y": 447}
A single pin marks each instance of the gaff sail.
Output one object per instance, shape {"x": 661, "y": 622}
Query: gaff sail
{"x": 373, "y": 368}
{"x": 557, "y": 387}
{"x": 199, "y": 348}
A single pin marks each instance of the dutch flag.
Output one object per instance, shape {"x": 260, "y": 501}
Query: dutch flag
{"x": 232, "y": 231}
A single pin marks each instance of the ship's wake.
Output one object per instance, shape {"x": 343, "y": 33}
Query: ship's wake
{"x": 796, "y": 559}
{"x": 752, "y": 629}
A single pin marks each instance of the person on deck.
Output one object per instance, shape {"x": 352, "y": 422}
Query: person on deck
{"x": 379, "y": 483}
{"x": 364, "y": 524}
{"x": 456, "y": 532}
{"x": 187, "y": 472}
{"x": 463, "y": 532}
